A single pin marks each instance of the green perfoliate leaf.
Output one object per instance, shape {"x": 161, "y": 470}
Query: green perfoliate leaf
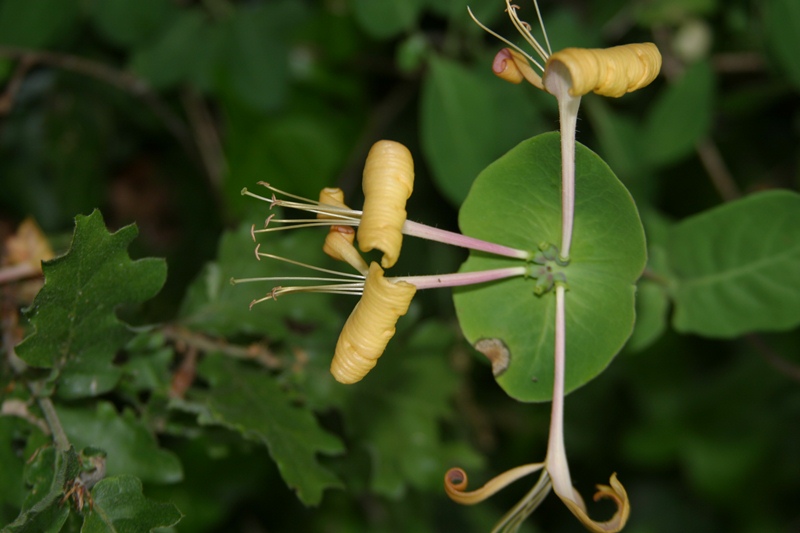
{"x": 118, "y": 505}
{"x": 516, "y": 201}
{"x": 130, "y": 447}
{"x": 46, "y": 475}
{"x": 253, "y": 404}
{"x": 75, "y": 326}
{"x": 736, "y": 267}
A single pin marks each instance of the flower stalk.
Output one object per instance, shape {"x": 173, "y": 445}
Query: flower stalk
{"x": 567, "y": 75}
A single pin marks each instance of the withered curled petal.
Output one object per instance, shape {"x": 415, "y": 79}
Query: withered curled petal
{"x": 513, "y": 67}
{"x": 455, "y": 483}
{"x": 615, "y": 492}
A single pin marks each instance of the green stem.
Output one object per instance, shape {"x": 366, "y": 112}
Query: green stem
{"x": 59, "y": 437}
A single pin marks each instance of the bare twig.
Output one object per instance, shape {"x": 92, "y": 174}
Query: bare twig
{"x": 717, "y": 170}
{"x": 707, "y": 150}
{"x": 775, "y": 360}
{"x": 206, "y": 136}
{"x": 7, "y": 98}
{"x": 254, "y": 352}
{"x": 120, "y": 79}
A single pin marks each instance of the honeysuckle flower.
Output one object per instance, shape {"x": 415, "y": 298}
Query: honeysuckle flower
{"x": 567, "y": 75}
{"x": 370, "y": 326}
{"x": 388, "y": 183}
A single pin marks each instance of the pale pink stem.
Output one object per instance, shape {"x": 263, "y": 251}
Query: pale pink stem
{"x": 556, "y": 452}
{"x": 558, "y": 83}
{"x": 462, "y": 278}
{"x": 415, "y": 229}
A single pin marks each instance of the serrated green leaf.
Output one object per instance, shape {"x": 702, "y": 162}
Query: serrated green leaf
{"x": 467, "y": 120}
{"x": 46, "y": 475}
{"x": 680, "y": 116}
{"x": 387, "y": 18}
{"x": 782, "y": 31}
{"x": 130, "y": 447}
{"x": 215, "y": 306}
{"x": 36, "y": 23}
{"x": 736, "y": 267}
{"x": 408, "y": 394}
{"x": 75, "y": 327}
{"x": 253, "y": 404}
{"x": 11, "y": 465}
{"x": 516, "y": 201}
{"x": 118, "y": 506}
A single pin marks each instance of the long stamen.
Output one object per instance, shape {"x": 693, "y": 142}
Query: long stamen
{"x": 526, "y": 32}
{"x": 259, "y": 255}
{"x": 541, "y": 25}
{"x": 500, "y": 37}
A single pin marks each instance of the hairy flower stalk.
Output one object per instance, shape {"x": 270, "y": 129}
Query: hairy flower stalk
{"x": 567, "y": 75}
{"x": 387, "y": 184}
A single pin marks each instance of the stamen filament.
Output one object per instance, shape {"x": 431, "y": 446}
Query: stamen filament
{"x": 305, "y": 223}
{"x": 541, "y": 25}
{"x": 525, "y": 32}
{"x": 462, "y": 278}
{"x": 236, "y": 281}
{"x": 509, "y": 43}
{"x": 259, "y": 255}
{"x": 415, "y": 229}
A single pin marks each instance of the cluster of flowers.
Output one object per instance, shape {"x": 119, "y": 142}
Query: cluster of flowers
{"x": 388, "y": 183}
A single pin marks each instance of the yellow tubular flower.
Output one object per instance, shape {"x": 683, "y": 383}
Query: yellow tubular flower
{"x": 370, "y": 326}
{"x": 388, "y": 182}
{"x": 331, "y": 196}
{"x": 339, "y": 245}
{"x": 513, "y": 67}
{"x": 611, "y": 71}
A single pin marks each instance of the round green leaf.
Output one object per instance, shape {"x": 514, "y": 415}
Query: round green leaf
{"x": 516, "y": 201}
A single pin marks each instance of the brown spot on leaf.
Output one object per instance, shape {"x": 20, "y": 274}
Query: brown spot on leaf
{"x": 497, "y": 352}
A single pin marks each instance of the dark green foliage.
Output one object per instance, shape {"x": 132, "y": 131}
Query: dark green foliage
{"x": 207, "y": 416}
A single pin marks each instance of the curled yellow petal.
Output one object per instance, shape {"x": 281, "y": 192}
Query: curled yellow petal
{"x": 611, "y": 71}
{"x": 370, "y": 326}
{"x": 615, "y": 492}
{"x": 513, "y": 67}
{"x": 388, "y": 182}
{"x": 455, "y": 483}
{"x": 332, "y": 196}
{"x": 339, "y": 245}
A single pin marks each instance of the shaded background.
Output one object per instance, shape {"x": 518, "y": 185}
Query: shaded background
{"x": 159, "y": 111}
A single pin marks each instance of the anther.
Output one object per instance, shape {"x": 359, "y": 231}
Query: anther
{"x": 258, "y": 245}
